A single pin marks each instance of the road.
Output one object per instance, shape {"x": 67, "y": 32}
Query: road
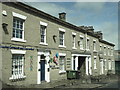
{"x": 112, "y": 85}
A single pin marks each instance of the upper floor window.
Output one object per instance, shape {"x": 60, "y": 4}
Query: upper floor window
{"x": 18, "y": 27}
{"x": 73, "y": 38}
{"x": 88, "y": 44}
{"x": 100, "y": 47}
{"x": 104, "y": 50}
{"x": 18, "y": 30}
{"x": 111, "y": 52}
{"x": 109, "y": 63}
{"x": 61, "y": 37}
{"x": 43, "y": 33}
{"x": 95, "y": 63}
{"x": 108, "y": 51}
{"x": 81, "y": 42}
{"x": 94, "y": 45}
{"x": 105, "y": 64}
{"x": 43, "y": 28}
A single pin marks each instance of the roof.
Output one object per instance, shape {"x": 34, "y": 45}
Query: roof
{"x": 54, "y": 19}
{"x": 103, "y": 41}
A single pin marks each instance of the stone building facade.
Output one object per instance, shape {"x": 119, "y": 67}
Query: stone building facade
{"x": 37, "y": 47}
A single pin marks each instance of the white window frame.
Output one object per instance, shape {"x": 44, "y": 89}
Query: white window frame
{"x": 109, "y": 64}
{"x": 81, "y": 42}
{"x": 108, "y": 51}
{"x": 45, "y": 38}
{"x": 95, "y": 62}
{"x": 113, "y": 64}
{"x": 100, "y": 47}
{"x": 111, "y": 51}
{"x": 63, "y": 31}
{"x": 87, "y": 44}
{"x": 20, "y": 16}
{"x": 21, "y": 75}
{"x": 105, "y": 64}
{"x": 105, "y": 49}
{"x": 62, "y": 54}
{"x": 73, "y": 36}
{"x": 94, "y": 45}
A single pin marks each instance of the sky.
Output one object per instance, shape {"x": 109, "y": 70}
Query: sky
{"x": 103, "y": 15}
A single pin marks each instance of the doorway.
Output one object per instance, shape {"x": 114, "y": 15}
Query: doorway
{"x": 43, "y": 73}
{"x": 81, "y": 65}
{"x": 42, "y": 64}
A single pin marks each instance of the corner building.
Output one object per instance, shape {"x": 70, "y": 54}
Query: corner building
{"x": 38, "y": 47}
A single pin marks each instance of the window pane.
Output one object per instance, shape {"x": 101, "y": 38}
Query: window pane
{"x": 61, "y": 38}
{"x": 42, "y": 32}
{"x": 17, "y": 28}
{"x": 61, "y": 63}
{"x": 17, "y": 65}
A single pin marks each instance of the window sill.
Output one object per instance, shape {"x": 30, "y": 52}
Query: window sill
{"x": 87, "y": 49}
{"x": 43, "y": 43}
{"x": 95, "y": 68}
{"x": 62, "y": 46}
{"x": 95, "y": 51}
{"x": 62, "y": 72}
{"x": 17, "y": 77}
{"x": 74, "y": 48}
{"x": 81, "y": 49}
{"x": 18, "y": 40}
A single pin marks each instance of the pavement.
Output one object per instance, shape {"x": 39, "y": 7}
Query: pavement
{"x": 74, "y": 83}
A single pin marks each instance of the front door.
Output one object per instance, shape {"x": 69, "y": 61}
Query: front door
{"x": 42, "y": 64}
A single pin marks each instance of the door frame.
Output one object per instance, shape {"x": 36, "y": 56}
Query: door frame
{"x": 87, "y": 59}
{"x": 47, "y": 67}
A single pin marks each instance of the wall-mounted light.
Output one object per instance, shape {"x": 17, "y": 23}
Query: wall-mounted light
{"x": 54, "y": 38}
{"x": 4, "y": 26}
{"x": 78, "y": 43}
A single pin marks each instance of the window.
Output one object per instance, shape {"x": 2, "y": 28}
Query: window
{"x": 61, "y": 38}
{"x": 104, "y": 50}
{"x": 95, "y": 63}
{"x": 100, "y": 47}
{"x": 81, "y": 43}
{"x": 62, "y": 64}
{"x": 94, "y": 45}
{"x": 73, "y": 41}
{"x": 43, "y": 30}
{"x": 111, "y": 52}
{"x": 105, "y": 63}
{"x": 108, "y": 51}
{"x": 113, "y": 64}
{"x": 18, "y": 27}
{"x": 88, "y": 44}
{"x": 18, "y": 64}
{"x": 43, "y": 34}
{"x": 109, "y": 64}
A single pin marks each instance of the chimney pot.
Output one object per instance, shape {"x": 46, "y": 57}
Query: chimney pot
{"x": 62, "y": 16}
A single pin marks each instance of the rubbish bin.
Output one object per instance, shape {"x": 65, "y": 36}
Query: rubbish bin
{"x": 72, "y": 74}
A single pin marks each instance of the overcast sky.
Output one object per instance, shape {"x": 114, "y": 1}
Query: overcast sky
{"x": 102, "y": 16}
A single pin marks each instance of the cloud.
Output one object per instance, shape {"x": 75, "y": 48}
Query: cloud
{"x": 70, "y": 0}
{"x": 110, "y": 32}
{"x": 48, "y": 7}
{"x": 90, "y": 6}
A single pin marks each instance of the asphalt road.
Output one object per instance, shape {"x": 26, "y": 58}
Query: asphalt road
{"x": 112, "y": 85}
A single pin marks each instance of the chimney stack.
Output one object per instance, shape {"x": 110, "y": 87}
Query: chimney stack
{"x": 99, "y": 34}
{"x": 62, "y": 16}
